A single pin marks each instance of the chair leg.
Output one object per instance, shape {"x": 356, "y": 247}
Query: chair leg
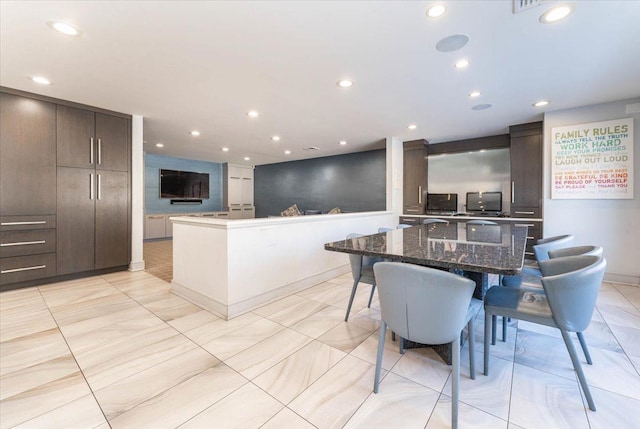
{"x": 487, "y": 324}
{"x": 381, "y": 338}
{"x": 472, "y": 351}
{"x": 400, "y": 345}
{"x": 504, "y": 329}
{"x": 583, "y": 344}
{"x": 373, "y": 289}
{"x": 578, "y": 368}
{"x": 455, "y": 382}
{"x": 494, "y": 321}
{"x": 353, "y": 294}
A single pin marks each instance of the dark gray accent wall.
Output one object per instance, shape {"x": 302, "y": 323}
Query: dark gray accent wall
{"x": 354, "y": 182}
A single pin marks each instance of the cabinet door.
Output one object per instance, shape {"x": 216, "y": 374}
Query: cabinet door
{"x": 247, "y": 191}
{"x": 76, "y": 131}
{"x": 526, "y": 173}
{"x": 414, "y": 177}
{"x": 27, "y": 156}
{"x": 112, "y": 219}
{"x": 75, "y": 220}
{"x": 112, "y": 143}
{"x": 234, "y": 191}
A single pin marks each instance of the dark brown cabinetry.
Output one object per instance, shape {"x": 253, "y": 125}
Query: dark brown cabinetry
{"x": 526, "y": 170}
{"x": 414, "y": 177}
{"x": 93, "y": 191}
{"x": 64, "y": 189}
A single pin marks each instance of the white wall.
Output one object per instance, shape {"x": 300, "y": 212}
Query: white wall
{"x": 613, "y": 224}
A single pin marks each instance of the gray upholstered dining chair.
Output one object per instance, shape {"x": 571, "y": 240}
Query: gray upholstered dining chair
{"x": 362, "y": 272}
{"x": 384, "y": 229}
{"x": 571, "y": 287}
{"x": 433, "y": 220}
{"x": 403, "y": 226}
{"x": 576, "y": 251}
{"x": 427, "y": 306}
{"x": 481, "y": 222}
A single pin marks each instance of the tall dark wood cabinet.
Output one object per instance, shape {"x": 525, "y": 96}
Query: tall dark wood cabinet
{"x": 414, "y": 177}
{"x": 27, "y": 189}
{"x": 65, "y": 189}
{"x": 526, "y": 178}
{"x": 93, "y": 197}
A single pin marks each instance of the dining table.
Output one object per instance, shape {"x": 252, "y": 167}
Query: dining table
{"x": 468, "y": 249}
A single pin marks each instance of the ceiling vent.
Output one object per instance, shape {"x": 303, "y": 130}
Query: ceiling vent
{"x": 522, "y": 5}
{"x": 311, "y": 148}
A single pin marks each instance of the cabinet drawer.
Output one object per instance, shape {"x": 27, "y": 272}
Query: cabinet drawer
{"x": 408, "y": 220}
{"x": 154, "y": 226}
{"x": 534, "y": 233}
{"x": 418, "y": 210}
{"x": 20, "y": 223}
{"x": 23, "y": 268}
{"x": 33, "y": 242}
{"x": 533, "y": 212}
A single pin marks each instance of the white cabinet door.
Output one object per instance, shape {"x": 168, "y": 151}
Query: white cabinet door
{"x": 247, "y": 191}
{"x": 154, "y": 226}
{"x": 235, "y": 212}
{"x": 248, "y": 212}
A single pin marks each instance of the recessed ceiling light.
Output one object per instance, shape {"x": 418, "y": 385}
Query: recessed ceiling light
{"x": 343, "y": 142}
{"x": 275, "y": 138}
{"x": 194, "y": 133}
{"x": 452, "y": 43}
{"x": 541, "y": 103}
{"x": 555, "y": 14}
{"x": 159, "y": 145}
{"x": 287, "y": 152}
{"x": 225, "y": 149}
{"x": 412, "y": 126}
{"x": 252, "y": 114}
{"x": 41, "y": 80}
{"x": 246, "y": 158}
{"x": 345, "y": 83}
{"x": 481, "y": 107}
{"x": 64, "y": 28}
{"x": 462, "y": 64}
{"x": 474, "y": 94}
{"x": 436, "y": 11}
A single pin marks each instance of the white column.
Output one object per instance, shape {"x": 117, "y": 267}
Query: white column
{"x": 394, "y": 176}
{"x": 137, "y": 194}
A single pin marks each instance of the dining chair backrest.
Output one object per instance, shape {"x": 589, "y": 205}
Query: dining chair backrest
{"x": 571, "y": 285}
{"x": 481, "y": 222}
{"x": 432, "y": 220}
{"x": 384, "y": 229}
{"x": 542, "y": 247}
{"x": 403, "y": 226}
{"x": 575, "y": 251}
{"x": 422, "y": 304}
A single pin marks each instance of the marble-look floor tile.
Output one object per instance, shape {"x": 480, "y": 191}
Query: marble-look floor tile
{"x": 613, "y": 411}
{"x": 219, "y": 327}
{"x": 60, "y": 294}
{"x": 320, "y": 322}
{"x": 622, "y": 316}
{"x": 468, "y": 417}
{"x": 491, "y": 393}
{"x": 23, "y": 352}
{"x": 347, "y": 336}
{"x": 36, "y": 375}
{"x": 335, "y": 397}
{"x": 82, "y": 413}
{"x": 180, "y": 403}
{"x": 26, "y": 324}
{"x": 129, "y": 392}
{"x": 192, "y": 321}
{"x": 95, "y": 323}
{"x": 233, "y": 343}
{"x": 423, "y": 366}
{"x": 20, "y": 300}
{"x": 279, "y": 305}
{"x": 597, "y": 334}
{"x": 232, "y": 412}
{"x": 632, "y": 293}
{"x": 629, "y": 338}
{"x": 635, "y": 361}
{"x": 535, "y": 398}
{"x": 124, "y": 276}
{"x": 39, "y": 400}
{"x": 501, "y": 349}
{"x": 293, "y": 375}
{"x": 612, "y": 297}
{"x": 67, "y": 314}
{"x": 296, "y": 312}
{"x": 368, "y": 350}
{"x": 257, "y": 359}
{"x": 287, "y": 419}
{"x": 399, "y": 403}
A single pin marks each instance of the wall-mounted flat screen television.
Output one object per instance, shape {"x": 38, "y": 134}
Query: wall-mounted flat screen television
{"x": 442, "y": 202}
{"x": 184, "y": 185}
{"x": 484, "y": 202}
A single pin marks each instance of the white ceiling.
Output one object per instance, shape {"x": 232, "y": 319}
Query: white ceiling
{"x": 201, "y": 65}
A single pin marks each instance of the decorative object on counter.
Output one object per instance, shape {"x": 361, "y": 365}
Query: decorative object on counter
{"x": 335, "y": 210}
{"x": 291, "y": 211}
{"x": 312, "y": 212}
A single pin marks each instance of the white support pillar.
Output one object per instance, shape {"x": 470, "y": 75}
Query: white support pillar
{"x": 394, "y": 176}
{"x": 137, "y": 194}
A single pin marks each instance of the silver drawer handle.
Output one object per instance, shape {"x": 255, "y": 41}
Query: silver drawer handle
{"x": 155, "y": 217}
{"x": 528, "y": 253}
{"x": 22, "y": 243}
{"x": 35, "y": 222}
{"x": 517, "y": 212}
{"x": 530, "y": 238}
{"x": 523, "y": 224}
{"x": 17, "y": 270}
{"x": 413, "y": 210}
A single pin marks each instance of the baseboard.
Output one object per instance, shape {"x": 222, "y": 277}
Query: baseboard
{"x": 622, "y": 278}
{"x": 230, "y": 311}
{"x": 136, "y": 266}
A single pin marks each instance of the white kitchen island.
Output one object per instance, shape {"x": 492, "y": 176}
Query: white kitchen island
{"x": 230, "y": 267}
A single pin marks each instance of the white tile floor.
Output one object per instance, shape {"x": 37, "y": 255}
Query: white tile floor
{"x": 122, "y": 351}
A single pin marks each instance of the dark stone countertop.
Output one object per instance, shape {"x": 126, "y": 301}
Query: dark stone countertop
{"x": 497, "y": 249}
